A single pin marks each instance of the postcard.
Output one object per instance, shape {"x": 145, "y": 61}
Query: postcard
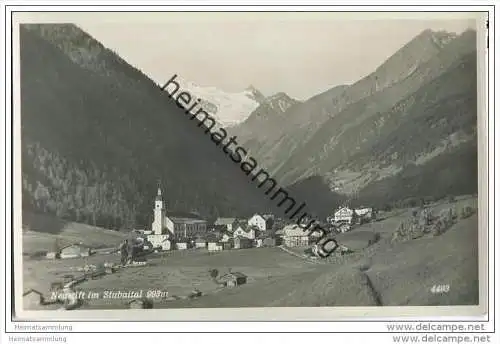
{"x": 249, "y": 165}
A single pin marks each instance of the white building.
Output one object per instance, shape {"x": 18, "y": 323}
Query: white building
{"x": 262, "y": 222}
{"x": 364, "y": 212}
{"x": 160, "y": 241}
{"x": 214, "y": 246}
{"x": 200, "y": 243}
{"x": 343, "y": 214}
{"x": 245, "y": 231}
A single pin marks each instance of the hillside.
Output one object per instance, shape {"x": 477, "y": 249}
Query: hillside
{"x": 409, "y": 119}
{"x": 452, "y": 173}
{"x": 373, "y": 279}
{"x": 282, "y": 138}
{"x": 420, "y": 130}
{"x": 261, "y": 134}
{"x": 97, "y": 136}
{"x": 42, "y": 232}
{"x": 269, "y": 109}
{"x": 412, "y": 135}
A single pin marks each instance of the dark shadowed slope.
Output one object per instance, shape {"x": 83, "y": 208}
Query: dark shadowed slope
{"x": 97, "y": 135}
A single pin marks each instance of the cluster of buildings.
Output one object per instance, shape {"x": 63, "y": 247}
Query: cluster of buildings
{"x": 227, "y": 233}
{"x": 345, "y": 217}
{"x": 174, "y": 230}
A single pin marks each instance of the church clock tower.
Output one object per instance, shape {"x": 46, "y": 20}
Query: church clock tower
{"x": 159, "y": 214}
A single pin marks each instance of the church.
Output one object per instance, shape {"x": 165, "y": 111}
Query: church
{"x": 176, "y": 226}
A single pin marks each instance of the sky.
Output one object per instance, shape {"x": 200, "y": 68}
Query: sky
{"x": 301, "y": 54}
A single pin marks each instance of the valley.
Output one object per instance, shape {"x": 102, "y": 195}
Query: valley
{"x": 99, "y": 138}
{"x": 281, "y": 279}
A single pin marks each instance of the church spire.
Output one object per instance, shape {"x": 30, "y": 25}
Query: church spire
{"x": 158, "y": 194}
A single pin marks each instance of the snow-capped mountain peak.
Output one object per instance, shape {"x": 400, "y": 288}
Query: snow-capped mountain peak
{"x": 255, "y": 94}
{"x": 280, "y": 101}
{"x": 228, "y": 108}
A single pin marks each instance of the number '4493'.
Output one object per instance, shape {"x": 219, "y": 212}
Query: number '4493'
{"x": 440, "y": 288}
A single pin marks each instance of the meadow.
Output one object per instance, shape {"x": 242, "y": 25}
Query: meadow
{"x": 383, "y": 273}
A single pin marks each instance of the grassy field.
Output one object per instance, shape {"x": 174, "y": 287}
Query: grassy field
{"x": 42, "y": 232}
{"x": 177, "y": 273}
{"x": 383, "y": 273}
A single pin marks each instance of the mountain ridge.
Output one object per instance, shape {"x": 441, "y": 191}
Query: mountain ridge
{"x": 380, "y": 101}
{"x": 274, "y": 142}
{"x": 95, "y": 144}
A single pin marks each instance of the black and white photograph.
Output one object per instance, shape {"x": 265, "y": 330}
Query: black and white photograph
{"x": 242, "y": 160}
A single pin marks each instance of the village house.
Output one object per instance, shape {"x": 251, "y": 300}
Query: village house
{"x": 347, "y": 215}
{"x": 200, "y": 243}
{"x": 241, "y": 242}
{"x": 32, "y": 299}
{"x": 177, "y": 226}
{"x": 262, "y": 222}
{"x": 343, "y": 214}
{"x": 233, "y": 279}
{"x": 215, "y": 241}
{"x": 294, "y": 235}
{"x": 160, "y": 242}
{"x": 364, "y": 214}
{"x": 75, "y": 251}
{"x": 244, "y": 230}
{"x": 227, "y": 223}
{"x": 214, "y": 246}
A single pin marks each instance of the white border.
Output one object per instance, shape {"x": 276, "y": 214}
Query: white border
{"x": 245, "y": 326}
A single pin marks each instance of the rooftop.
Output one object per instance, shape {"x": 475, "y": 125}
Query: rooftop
{"x": 225, "y": 221}
{"x": 245, "y": 227}
{"x": 32, "y": 291}
{"x": 294, "y": 230}
{"x": 80, "y": 245}
{"x": 185, "y": 218}
{"x": 234, "y": 274}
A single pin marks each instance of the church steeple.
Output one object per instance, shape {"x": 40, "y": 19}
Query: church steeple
{"x": 159, "y": 213}
{"x": 158, "y": 195}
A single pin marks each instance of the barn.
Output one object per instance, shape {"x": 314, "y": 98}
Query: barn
{"x": 75, "y": 251}
{"x": 234, "y": 279}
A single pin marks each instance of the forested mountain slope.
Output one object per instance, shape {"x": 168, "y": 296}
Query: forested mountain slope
{"x": 97, "y": 136}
